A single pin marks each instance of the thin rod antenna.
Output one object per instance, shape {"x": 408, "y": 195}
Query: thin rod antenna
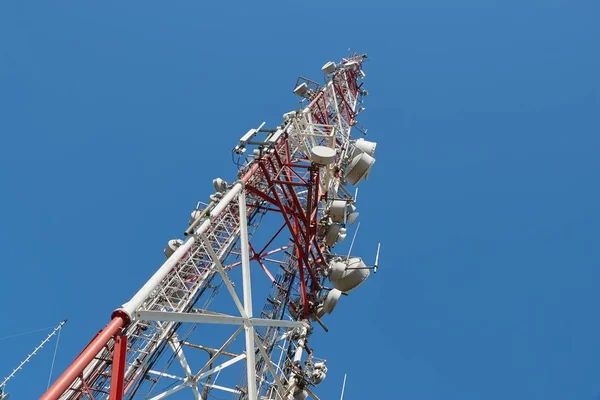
{"x": 377, "y": 258}
{"x": 352, "y": 244}
{"x": 343, "y": 388}
{"x": 57, "y": 329}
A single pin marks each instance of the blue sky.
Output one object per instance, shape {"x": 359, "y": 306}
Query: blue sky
{"x": 114, "y": 119}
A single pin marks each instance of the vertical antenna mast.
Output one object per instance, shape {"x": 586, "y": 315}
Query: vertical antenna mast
{"x": 31, "y": 355}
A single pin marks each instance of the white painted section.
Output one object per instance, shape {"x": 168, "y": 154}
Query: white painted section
{"x": 165, "y": 375}
{"x": 169, "y": 392}
{"x": 142, "y": 294}
{"x": 223, "y": 388}
{"x": 247, "y": 288}
{"x": 222, "y": 366}
{"x": 188, "y": 317}
{"x": 196, "y": 318}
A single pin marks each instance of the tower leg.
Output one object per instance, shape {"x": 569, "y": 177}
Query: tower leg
{"x": 249, "y": 329}
{"x": 117, "y": 381}
{"x": 63, "y": 383}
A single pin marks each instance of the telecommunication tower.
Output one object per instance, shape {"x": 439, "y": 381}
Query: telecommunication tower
{"x": 296, "y": 181}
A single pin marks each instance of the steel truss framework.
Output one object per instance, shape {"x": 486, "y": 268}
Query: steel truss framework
{"x": 278, "y": 178}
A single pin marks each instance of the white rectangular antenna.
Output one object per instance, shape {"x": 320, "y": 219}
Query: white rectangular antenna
{"x": 249, "y": 135}
{"x": 274, "y": 137}
{"x": 241, "y": 147}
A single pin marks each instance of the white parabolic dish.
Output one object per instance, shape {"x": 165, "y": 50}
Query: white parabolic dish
{"x": 322, "y": 155}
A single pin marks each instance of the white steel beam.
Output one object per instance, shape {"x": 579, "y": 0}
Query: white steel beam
{"x": 247, "y": 289}
{"x": 188, "y": 317}
{"x": 223, "y": 388}
{"x": 176, "y": 347}
{"x": 197, "y": 395}
{"x": 166, "y": 375}
{"x": 218, "y": 353}
{"x": 219, "y": 265}
{"x": 269, "y": 363}
{"x": 221, "y": 366}
{"x": 280, "y": 323}
{"x": 169, "y": 392}
{"x": 198, "y": 318}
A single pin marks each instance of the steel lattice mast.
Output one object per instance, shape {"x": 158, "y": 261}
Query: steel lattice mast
{"x": 301, "y": 172}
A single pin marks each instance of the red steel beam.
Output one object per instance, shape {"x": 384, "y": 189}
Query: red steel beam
{"x": 117, "y": 379}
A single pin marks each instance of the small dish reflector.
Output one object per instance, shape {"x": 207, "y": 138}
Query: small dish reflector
{"x": 359, "y": 168}
{"x": 331, "y": 300}
{"x": 327, "y": 304}
{"x": 329, "y": 67}
{"x": 220, "y": 185}
{"x": 365, "y": 146}
{"x": 322, "y": 155}
{"x": 346, "y": 276}
{"x": 337, "y": 211}
{"x": 172, "y": 245}
{"x": 335, "y": 233}
{"x": 352, "y": 217}
{"x": 319, "y": 373}
{"x": 301, "y": 89}
{"x": 351, "y": 64}
{"x": 289, "y": 115}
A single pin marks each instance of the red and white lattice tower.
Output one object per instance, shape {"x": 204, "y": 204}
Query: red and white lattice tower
{"x": 296, "y": 182}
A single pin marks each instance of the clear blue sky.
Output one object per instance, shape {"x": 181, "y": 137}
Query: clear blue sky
{"x": 114, "y": 118}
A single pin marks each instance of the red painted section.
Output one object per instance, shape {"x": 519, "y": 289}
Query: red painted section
{"x": 63, "y": 383}
{"x": 302, "y": 279}
{"x": 117, "y": 380}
